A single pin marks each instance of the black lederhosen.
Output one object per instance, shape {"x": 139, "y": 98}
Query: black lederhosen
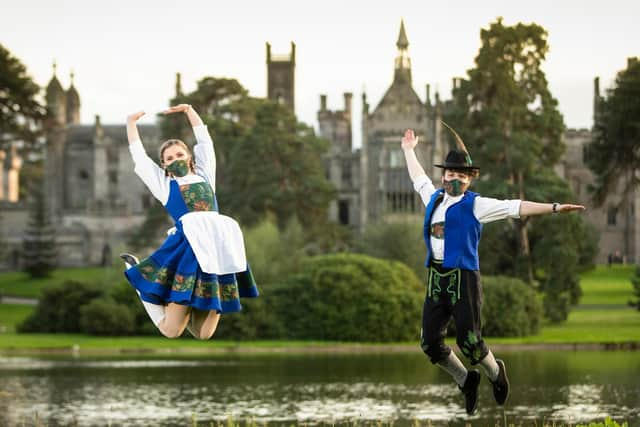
{"x": 458, "y": 293}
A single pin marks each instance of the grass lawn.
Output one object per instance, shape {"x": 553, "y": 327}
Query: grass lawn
{"x": 603, "y": 316}
{"x": 12, "y": 314}
{"x": 607, "y": 285}
{"x": 19, "y": 284}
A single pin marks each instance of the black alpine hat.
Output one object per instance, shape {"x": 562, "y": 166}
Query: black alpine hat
{"x": 460, "y": 158}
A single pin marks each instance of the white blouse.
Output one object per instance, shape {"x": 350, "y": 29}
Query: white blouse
{"x": 485, "y": 209}
{"x": 216, "y": 240}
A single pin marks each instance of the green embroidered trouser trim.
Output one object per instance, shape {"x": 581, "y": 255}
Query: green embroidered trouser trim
{"x": 435, "y": 280}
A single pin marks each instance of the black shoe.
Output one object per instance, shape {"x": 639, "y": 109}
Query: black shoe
{"x": 129, "y": 259}
{"x": 470, "y": 391}
{"x": 501, "y": 384}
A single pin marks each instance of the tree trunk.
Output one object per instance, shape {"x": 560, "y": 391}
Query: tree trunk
{"x": 523, "y": 233}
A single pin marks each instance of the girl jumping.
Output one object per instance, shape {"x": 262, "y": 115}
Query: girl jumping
{"x": 200, "y": 271}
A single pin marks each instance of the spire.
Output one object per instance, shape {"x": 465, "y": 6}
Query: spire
{"x": 402, "y": 72}
{"x": 403, "y": 42}
{"x": 56, "y": 98}
{"x": 73, "y": 103}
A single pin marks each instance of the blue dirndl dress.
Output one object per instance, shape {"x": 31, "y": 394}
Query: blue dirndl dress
{"x": 173, "y": 274}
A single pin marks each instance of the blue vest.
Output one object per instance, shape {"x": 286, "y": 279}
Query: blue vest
{"x": 462, "y": 232}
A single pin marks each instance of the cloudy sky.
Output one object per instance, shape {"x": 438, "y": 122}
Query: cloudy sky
{"x": 125, "y": 53}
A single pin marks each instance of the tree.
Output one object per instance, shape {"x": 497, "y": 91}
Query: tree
{"x": 39, "y": 248}
{"x": 613, "y": 154}
{"x": 513, "y": 129}
{"x": 276, "y": 168}
{"x": 267, "y": 162}
{"x": 20, "y": 112}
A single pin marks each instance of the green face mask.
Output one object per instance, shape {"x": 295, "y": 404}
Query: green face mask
{"x": 454, "y": 187}
{"x": 178, "y": 168}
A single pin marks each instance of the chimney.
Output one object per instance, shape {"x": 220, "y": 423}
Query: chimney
{"x": 348, "y": 96}
{"x": 323, "y": 102}
{"x": 99, "y": 132}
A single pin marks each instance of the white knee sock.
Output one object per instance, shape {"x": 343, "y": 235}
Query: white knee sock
{"x": 155, "y": 311}
{"x": 490, "y": 366}
{"x": 454, "y": 367}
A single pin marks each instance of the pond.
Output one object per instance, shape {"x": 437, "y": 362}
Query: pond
{"x": 320, "y": 388}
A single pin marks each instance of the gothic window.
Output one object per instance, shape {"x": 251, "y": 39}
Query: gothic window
{"x": 395, "y": 158}
{"x": 83, "y": 174}
{"x": 113, "y": 177}
{"x": 343, "y": 212}
{"x": 612, "y": 213}
{"x": 346, "y": 173}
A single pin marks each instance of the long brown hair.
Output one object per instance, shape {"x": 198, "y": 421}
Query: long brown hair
{"x": 170, "y": 142}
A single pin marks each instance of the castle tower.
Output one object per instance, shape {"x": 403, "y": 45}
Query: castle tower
{"x": 73, "y": 104}
{"x": 386, "y": 189}
{"x": 56, "y": 99}
{"x": 280, "y": 77}
{"x": 55, "y": 129}
{"x": 340, "y": 161}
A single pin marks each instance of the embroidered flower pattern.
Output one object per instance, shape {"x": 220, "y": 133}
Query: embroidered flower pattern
{"x": 198, "y": 197}
{"x": 211, "y": 288}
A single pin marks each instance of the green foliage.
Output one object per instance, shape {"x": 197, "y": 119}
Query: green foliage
{"x": 123, "y": 295}
{"x": 350, "y": 297}
{"x": 20, "y": 112}
{"x": 273, "y": 256}
{"x": 400, "y": 241}
{"x": 267, "y": 162}
{"x": 613, "y": 153}
{"x": 279, "y": 161}
{"x": 608, "y": 422}
{"x": 635, "y": 281}
{"x": 59, "y": 308}
{"x": 510, "y": 308}
{"x": 39, "y": 248}
{"x": 104, "y": 316}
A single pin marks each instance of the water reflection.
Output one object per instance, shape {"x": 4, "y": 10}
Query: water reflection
{"x": 568, "y": 387}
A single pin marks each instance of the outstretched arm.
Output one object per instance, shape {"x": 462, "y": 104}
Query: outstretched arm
{"x": 533, "y": 208}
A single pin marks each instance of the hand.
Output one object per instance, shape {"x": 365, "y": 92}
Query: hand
{"x": 134, "y": 117}
{"x": 180, "y": 108}
{"x": 409, "y": 140}
{"x": 569, "y": 208}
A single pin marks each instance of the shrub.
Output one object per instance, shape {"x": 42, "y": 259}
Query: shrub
{"x": 59, "y": 308}
{"x": 350, "y": 297}
{"x": 510, "y": 307}
{"x": 106, "y": 317}
{"x": 400, "y": 241}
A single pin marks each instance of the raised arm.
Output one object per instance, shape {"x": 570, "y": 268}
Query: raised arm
{"x": 533, "y": 208}
{"x": 194, "y": 118}
{"x": 421, "y": 182}
{"x": 149, "y": 172}
{"x": 203, "y": 152}
{"x": 409, "y": 142}
{"x": 132, "y": 126}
